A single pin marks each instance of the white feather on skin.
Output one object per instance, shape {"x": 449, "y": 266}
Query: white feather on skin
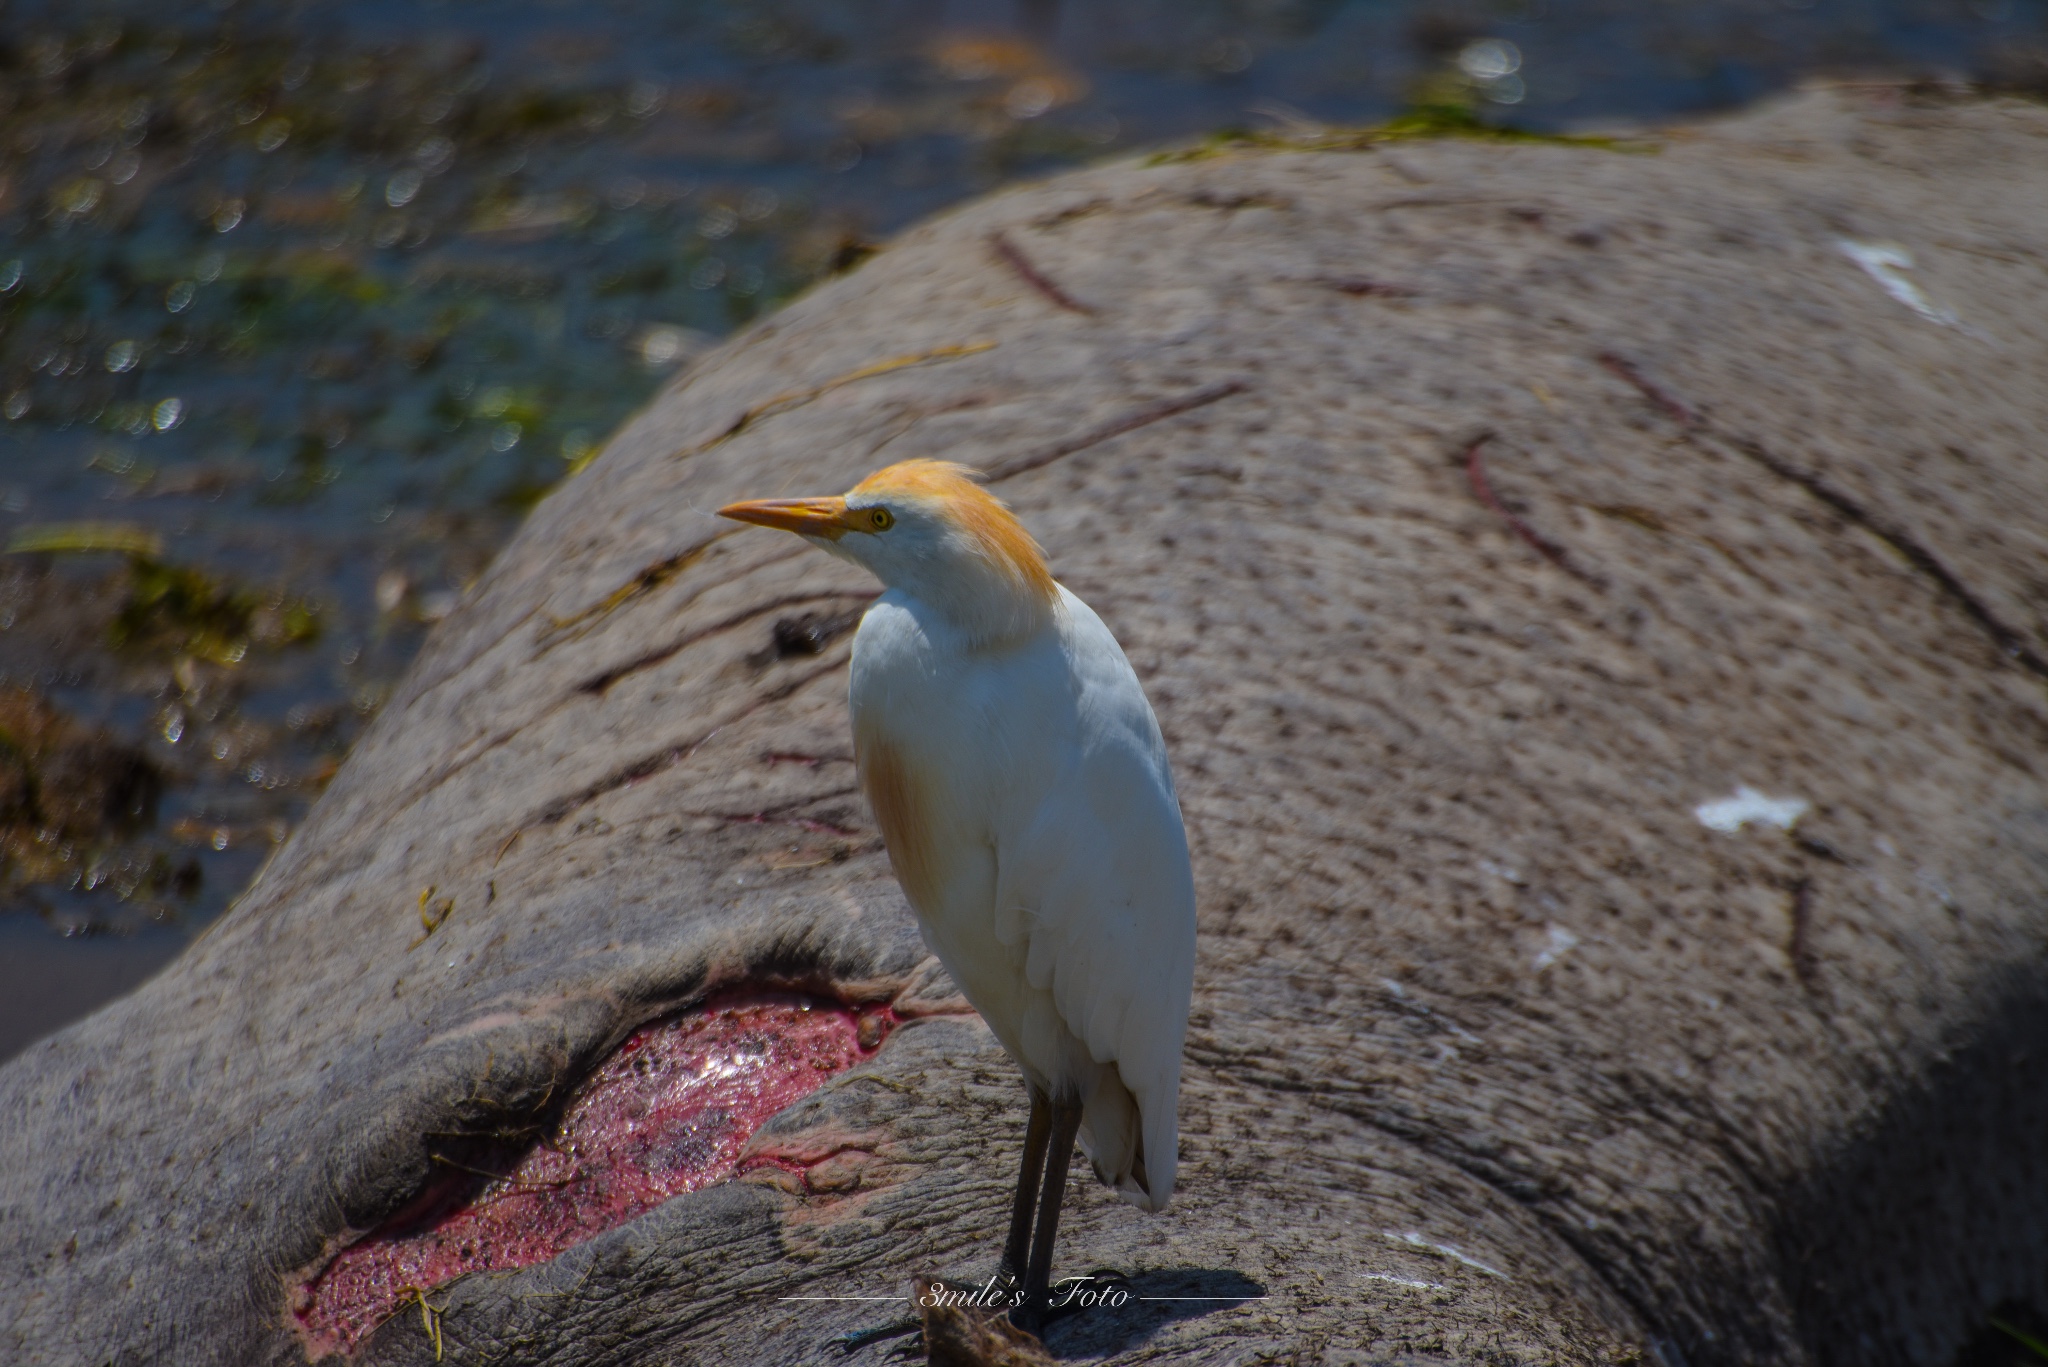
{"x": 1024, "y": 794}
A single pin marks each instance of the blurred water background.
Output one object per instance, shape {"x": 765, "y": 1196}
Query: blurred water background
{"x": 303, "y": 305}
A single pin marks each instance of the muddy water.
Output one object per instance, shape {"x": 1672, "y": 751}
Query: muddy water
{"x": 303, "y": 305}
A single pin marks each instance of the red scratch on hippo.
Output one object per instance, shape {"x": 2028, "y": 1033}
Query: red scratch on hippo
{"x": 1624, "y": 369}
{"x": 806, "y": 1168}
{"x": 811, "y": 824}
{"x": 1482, "y": 489}
{"x": 674, "y": 1109}
{"x": 792, "y": 757}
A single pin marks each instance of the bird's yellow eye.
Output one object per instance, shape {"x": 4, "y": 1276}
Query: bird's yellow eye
{"x": 881, "y": 519}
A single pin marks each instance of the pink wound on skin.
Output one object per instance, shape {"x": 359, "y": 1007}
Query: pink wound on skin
{"x": 669, "y": 1112}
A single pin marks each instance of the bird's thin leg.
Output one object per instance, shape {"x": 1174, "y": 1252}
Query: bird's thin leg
{"x": 1018, "y": 1246}
{"x": 1037, "y": 1131}
{"x": 1066, "y": 1120}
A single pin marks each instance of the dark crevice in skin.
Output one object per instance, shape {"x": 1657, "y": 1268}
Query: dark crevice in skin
{"x": 1799, "y": 948}
{"x": 599, "y": 684}
{"x": 797, "y": 398}
{"x": 1482, "y": 489}
{"x": 781, "y": 814}
{"x": 1659, "y": 1334}
{"x": 501, "y": 738}
{"x": 1365, "y": 287}
{"x": 1007, "y": 252}
{"x": 1233, "y": 203}
{"x": 806, "y": 633}
{"x": 664, "y": 570}
{"x": 2010, "y": 643}
{"x": 1116, "y": 427}
{"x": 670, "y": 755}
{"x": 807, "y": 760}
{"x": 1085, "y": 209}
{"x": 909, "y": 416}
{"x": 651, "y": 577}
{"x": 814, "y": 825}
{"x": 1623, "y": 368}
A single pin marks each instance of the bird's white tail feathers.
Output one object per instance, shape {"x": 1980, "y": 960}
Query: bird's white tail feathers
{"x": 1131, "y": 1151}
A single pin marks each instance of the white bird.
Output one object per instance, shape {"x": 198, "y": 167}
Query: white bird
{"x": 1023, "y": 792}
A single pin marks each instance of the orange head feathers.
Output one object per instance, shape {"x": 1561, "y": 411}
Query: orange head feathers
{"x": 929, "y": 529}
{"x": 954, "y": 493}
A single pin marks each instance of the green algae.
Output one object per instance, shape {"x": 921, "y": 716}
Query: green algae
{"x": 1432, "y": 120}
{"x": 179, "y": 609}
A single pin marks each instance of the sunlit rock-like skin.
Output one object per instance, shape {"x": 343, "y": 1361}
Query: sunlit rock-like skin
{"x": 1474, "y": 514}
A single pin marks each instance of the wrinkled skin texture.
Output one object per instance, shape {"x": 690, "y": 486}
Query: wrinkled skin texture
{"x": 1472, "y": 975}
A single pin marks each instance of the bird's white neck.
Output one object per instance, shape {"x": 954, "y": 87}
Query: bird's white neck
{"x": 985, "y": 607}
{"x": 945, "y": 542}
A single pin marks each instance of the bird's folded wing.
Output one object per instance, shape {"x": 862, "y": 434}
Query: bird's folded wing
{"x": 1098, "y": 893}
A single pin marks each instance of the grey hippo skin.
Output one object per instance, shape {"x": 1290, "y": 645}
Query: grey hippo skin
{"x": 1473, "y": 513}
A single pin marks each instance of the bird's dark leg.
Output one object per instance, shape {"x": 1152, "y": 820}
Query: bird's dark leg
{"x": 1066, "y": 1120}
{"x": 1018, "y": 1247}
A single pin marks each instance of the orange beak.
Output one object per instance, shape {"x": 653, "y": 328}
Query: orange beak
{"x": 824, "y": 517}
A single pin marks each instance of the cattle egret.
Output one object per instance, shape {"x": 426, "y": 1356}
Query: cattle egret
{"x": 1022, "y": 788}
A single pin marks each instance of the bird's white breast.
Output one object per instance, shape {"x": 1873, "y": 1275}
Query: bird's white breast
{"x": 961, "y": 748}
{"x": 1029, "y": 811}
{"x": 956, "y": 746}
